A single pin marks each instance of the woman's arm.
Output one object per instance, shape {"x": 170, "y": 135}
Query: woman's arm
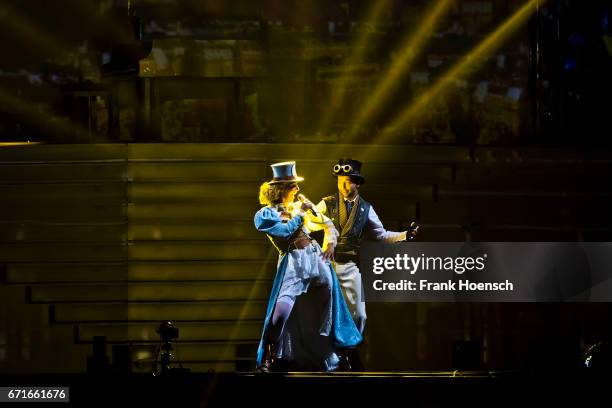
{"x": 267, "y": 220}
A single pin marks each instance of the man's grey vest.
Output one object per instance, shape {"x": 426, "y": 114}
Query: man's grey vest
{"x": 348, "y": 245}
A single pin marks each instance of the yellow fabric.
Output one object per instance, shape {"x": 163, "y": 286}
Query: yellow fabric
{"x": 347, "y": 224}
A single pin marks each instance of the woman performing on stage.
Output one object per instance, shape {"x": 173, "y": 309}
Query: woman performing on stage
{"x": 308, "y": 324}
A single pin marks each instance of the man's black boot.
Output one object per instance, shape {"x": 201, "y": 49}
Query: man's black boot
{"x": 344, "y": 363}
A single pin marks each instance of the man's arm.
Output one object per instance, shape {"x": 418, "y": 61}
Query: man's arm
{"x": 380, "y": 233}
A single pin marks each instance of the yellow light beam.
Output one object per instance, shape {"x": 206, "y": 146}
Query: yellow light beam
{"x": 28, "y": 30}
{"x": 43, "y": 119}
{"x": 356, "y": 57}
{"x": 409, "y": 51}
{"x": 264, "y": 273}
{"x": 470, "y": 61}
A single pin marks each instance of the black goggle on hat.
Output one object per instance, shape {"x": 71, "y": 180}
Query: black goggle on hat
{"x": 349, "y": 167}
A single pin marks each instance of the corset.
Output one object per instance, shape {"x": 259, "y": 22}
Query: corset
{"x": 298, "y": 240}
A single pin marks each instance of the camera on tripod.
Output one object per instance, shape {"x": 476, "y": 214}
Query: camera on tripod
{"x": 167, "y": 332}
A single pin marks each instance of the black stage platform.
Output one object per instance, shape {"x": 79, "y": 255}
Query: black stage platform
{"x": 412, "y": 389}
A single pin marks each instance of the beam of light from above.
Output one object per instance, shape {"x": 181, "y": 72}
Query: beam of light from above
{"x": 28, "y": 30}
{"x": 39, "y": 118}
{"x": 409, "y": 50}
{"x": 465, "y": 66}
{"x": 356, "y": 57}
{"x": 265, "y": 272}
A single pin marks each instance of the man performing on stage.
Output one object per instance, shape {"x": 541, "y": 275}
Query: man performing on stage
{"x": 353, "y": 216}
{"x": 308, "y": 323}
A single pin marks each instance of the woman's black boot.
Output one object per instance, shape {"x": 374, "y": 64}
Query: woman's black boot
{"x": 268, "y": 362}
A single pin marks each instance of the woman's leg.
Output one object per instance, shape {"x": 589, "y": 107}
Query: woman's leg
{"x": 282, "y": 310}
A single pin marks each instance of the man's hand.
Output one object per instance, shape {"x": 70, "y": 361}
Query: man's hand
{"x": 328, "y": 254}
{"x": 413, "y": 230}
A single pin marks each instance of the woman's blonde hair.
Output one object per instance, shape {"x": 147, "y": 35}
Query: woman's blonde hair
{"x": 270, "y": 194}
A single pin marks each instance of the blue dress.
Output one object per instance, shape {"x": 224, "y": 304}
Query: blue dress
{"x": 320, "y": 321}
